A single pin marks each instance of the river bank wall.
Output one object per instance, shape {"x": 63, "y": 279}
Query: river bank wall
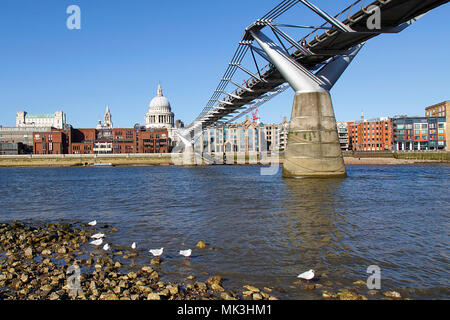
{"x": 164, "y": 159}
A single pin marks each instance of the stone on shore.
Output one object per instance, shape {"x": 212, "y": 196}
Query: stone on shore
{"x": 201, "y": 245}
{"x": 256, "y": 296}
{"x": 153, "y": 296}
{"x": 349, "y": 295}
{"x": 392, "y": 294}
{"x": 28, "y": 253}
{"x": 214, "y": 280}
{"x": 251, "y": 288}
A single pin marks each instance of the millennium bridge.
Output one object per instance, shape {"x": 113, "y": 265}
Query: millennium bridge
{"x": 274, "y": 57}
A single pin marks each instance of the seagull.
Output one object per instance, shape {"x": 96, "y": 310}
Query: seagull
{"x": 106, "y": 247}
{"x": 186, "y": 253}
{"x": 156, "y": 252}
{"x": 93, "y": 223}
{"x": 98, "y": 236}
{"x": 97, "y": 242}
{"x": 133, "y": 246}
{"x": 308, "y": 275}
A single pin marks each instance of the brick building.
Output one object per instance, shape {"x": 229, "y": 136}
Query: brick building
{"x": 153, "y": 141}
{"x": 124, "y": 141}
{"x": 101, "y": 141}
{"x": 54, "y": 142}
{"x": 81, "y": 141}
{"x": 370, "y": 135}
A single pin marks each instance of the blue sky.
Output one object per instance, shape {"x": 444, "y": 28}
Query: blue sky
{"x": 125, "y": 47}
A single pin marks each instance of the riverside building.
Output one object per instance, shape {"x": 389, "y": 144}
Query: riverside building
{"x": 441, "y": 110}
{"x": 19, "y": 139}
{"x": 342, "y": 128}
{"x": 101, "y": 141}
{"x": 370, "y": 135}
{"x": 246, "y": 137}
{"x": 25, "y": 120}
{"x": 419, "y": 133}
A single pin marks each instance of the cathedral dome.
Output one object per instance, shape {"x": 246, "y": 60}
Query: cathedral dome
{"x": 159, "y": 103}
{"x": 159, "y": 113}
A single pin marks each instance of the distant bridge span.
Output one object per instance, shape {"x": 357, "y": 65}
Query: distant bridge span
{"x": 311, "y": 65}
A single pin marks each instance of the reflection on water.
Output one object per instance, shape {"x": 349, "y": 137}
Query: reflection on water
{"x": 260, "y": 230}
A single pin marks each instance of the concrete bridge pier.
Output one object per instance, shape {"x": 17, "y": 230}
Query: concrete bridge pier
{"x": 189, "y": 155}
{"x": 313, "y": 148}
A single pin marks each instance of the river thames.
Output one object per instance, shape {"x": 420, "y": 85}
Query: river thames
{"x": 259, "y": 230}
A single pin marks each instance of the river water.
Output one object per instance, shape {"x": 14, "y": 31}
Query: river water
{"x": 261, "y": 230}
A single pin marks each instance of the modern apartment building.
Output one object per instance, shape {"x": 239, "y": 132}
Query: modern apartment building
{"x": 419, "y": 133}
{"x": 441, "y": 110}
{"x": 342, "y": 128}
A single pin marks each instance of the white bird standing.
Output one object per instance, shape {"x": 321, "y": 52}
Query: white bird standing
{"x": 133, "y": 246}
{"x": 93, "y": 223}
{"x": 308, "y": 275}
{"x": 106, "y": 247}
{"x": 156, "y": 252}
{"x": 97, "y": 242}
{"x": 98, "y": 236}
{"x": 186, "y": 253}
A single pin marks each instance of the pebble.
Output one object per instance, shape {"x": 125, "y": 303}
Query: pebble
{"x": 251, "y": 288}
{"x": 153, "y": 296}
{"x": 28, "y": 253}
{"x": 214, "y": 280}
{"x": 201, "y": 244}
{"x": 349, "y": 295}
{"x": 257, "y": 296}
{"x": 226, "y": 296}
{"x": 392, "y": 294}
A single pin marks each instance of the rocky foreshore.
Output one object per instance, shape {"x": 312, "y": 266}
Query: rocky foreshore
{"x": 56, "y": 262}
{"x": 40, "y": 262}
